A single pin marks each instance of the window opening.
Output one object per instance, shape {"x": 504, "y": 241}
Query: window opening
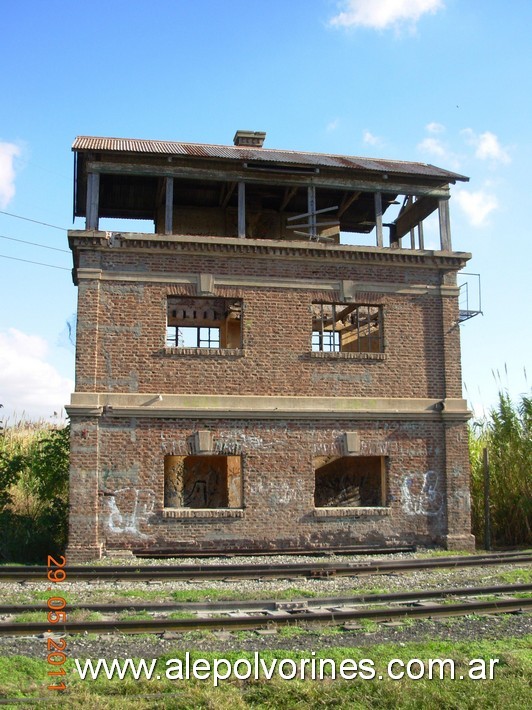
{"x": 204, "y": 323}
{"x": 202, "y": 481}
{"x": 349, "y": 482}
{"x": 342, "y": 327}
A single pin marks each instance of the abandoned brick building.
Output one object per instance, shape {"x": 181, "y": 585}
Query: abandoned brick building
{"x": 277, "y": 364}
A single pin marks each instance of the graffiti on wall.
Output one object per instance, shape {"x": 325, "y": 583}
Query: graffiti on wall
{"x": 422, "y": 493}
{"x": 128, "y": 510}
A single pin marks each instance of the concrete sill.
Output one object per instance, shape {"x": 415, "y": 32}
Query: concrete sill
{"x": 204, "y": 513}
{"x": 202, "y": 352}
{"x": 347, "y": 356}
{"x": 351, "y": 512}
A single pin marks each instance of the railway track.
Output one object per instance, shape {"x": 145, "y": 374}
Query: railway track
{"x": 259, "y": 571}
{"x": 255, "y": 614}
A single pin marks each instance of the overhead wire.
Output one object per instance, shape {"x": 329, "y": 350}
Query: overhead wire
{"x": 38, "y": 263}
{"x": 35, "y": 221}
{"x": 34, "y": 244}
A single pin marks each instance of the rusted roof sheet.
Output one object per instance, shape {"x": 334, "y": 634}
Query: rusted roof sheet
{"x": 263, "y": 155}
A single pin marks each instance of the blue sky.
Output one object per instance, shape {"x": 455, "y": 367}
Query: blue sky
{"x": 446, "y": 82}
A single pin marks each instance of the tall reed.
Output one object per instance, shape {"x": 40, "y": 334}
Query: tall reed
{"x": 507, "y": 434}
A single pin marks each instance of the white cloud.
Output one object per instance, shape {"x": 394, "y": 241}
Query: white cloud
{"x": 435, "y": 127}
{"x": 476, "y": 205}
{"x": 8, "y": 153}
{"x": 381, "y": 14}
{"x": 487, "y": 146}
{"x": 370, "y": 139}
{"x": 432, "y": 146}
{"x": 28, "y": 383}
{"x": 332, "y": 125}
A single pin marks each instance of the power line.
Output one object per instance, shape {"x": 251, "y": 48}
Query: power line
{"x": 35, "y": 221}
{"x": 43, "y": 246}
{"x": 38, "y": 263}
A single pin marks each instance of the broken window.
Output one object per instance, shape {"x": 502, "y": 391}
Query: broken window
{"x": 349, "y": 482}
{"x": 204, "y": 322}
{"x": 202, "y": 481}
{"x": 347, "y": 327}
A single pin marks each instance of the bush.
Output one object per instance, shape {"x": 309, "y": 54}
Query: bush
{"x": 34, "y": 465}
{"x": 507, "y": 434}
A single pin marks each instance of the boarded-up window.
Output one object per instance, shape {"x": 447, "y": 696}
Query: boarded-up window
{"x": 349, "y": 482}
{"x": 202, "y": 482}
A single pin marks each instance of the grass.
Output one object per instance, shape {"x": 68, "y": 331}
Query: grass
{"x": 510, "y": 688}
{"x": 214, "y": 595}
{"x": 290, "y": 631}
{"x": 517, "y": 576}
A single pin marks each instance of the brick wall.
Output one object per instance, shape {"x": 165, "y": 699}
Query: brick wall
{"x": 117, "y": 475}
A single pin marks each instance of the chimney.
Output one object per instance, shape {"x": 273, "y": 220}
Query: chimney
{"x": 253, "y": 139}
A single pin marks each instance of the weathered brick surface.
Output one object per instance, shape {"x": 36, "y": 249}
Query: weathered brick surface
{"x": 117, "y": 482}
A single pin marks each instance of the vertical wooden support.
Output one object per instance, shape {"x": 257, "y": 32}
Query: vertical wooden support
{"x": 93, "y": 197}
{"x": 311, "y": 201}
{"x": 169, "y": 206}
{"x": 421, "y": 237}
{"x": 384, "y": 492}
{"x": 445, "y": 226}
{"x": 242, "y": 210}
{"x": 412, "y": 199}
{"x": 378, "y": 218}
{"x": 487, "y": 522}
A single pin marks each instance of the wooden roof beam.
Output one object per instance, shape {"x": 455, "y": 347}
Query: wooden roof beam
{"x": 347, "y": 202}
{"x": 413, "y": 213}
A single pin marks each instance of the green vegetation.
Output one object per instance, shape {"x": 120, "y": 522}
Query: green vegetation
{"x": 507, "y": 435}
{"x": 510, "y": 687}
{"x": 34, "y": 461}
{"x": 516, "y": 576}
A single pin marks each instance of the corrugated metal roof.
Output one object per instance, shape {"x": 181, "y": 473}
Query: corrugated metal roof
{"x": 264, "y": 155}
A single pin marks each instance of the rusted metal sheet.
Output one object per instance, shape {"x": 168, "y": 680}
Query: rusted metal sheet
{"x": 261, "y": 155}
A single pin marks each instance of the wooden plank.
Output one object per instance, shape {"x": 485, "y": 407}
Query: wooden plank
{"x": 169, "y": 206}
{"x": 445, "y": 226}
{"x": 93, "y": 198}
{"x": 414, "y": 213}
{"x": 225, "y": 175}
{"x": 309, "y": 214}
{"x": 378, "y": 218}
{"x": 229, "y": 189}
{"x": 242, "y": 210}
{"x": 303, "y": 225}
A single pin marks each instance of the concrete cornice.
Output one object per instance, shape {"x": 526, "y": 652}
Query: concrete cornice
{"x": 348, "y": 289}
{"x": 269, "y": 248}
{"x": 172, "y": 406}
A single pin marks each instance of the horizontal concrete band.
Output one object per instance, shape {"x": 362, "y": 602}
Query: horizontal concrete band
{"x": 348, "y": 289}
{"x": 171, "y": 406}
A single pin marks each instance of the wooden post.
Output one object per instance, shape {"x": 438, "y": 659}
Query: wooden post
{"x": 169, "y": 206}
{"x": 487, "y": 523}
{"x": 420, "y": 235}
{"x": 93, "y": 197}
{"x": 312, "y": 211}
{"x": 445, "y": 226}
{"x": 378, "y": 218}
{"x": 242, "y": 210}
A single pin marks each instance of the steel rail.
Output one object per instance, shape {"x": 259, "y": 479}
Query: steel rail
{"x": 234, "y": 605}
{"x": 250, "y": 552}
{"x": 259, "y": 571}
{"x": 250, "y": 621}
